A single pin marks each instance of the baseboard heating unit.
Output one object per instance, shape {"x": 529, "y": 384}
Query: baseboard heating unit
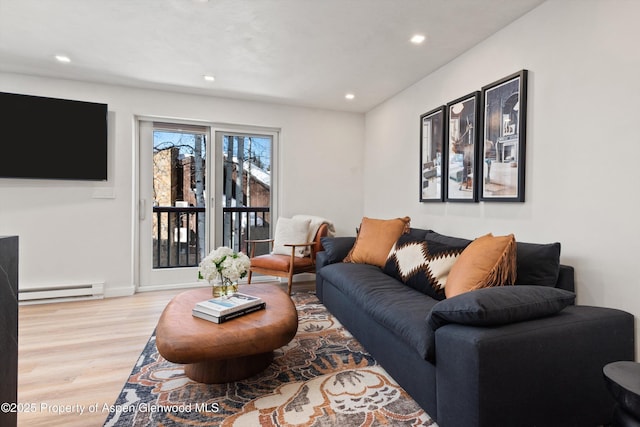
{"x": 49, "y": 294}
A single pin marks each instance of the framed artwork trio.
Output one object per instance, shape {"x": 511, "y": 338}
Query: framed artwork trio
{"x": 473, "y": 148}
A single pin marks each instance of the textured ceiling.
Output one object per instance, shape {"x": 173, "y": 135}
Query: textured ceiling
{"x": 297, "y": 52}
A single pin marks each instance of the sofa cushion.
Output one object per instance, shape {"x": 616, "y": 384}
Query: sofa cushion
{"x": 500, "y": 305}
{"x": 538, "y": 264}
{"x": 375, "y": 239}
{"x": 443, "y": 239}
{"x": 487, "y": 261}
{"x": 337, "y": 248}
{"x": 423, "y": 263}
{"x": 390, "y": 304}
{"x": 418, "y": 233}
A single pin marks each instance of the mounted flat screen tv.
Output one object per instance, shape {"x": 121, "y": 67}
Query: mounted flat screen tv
{"x": 51, "y": 138}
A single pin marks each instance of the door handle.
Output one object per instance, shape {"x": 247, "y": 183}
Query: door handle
{"x": 142, "y": 209}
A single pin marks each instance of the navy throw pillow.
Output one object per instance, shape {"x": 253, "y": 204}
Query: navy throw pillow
{"x": 537, "y": 264}
{"x": 500, "y": 305}
{"x": 337, "y": 248}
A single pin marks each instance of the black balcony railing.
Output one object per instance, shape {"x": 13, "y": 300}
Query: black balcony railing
{"x": 244, "y": 223}
{"x": 179, "y": 233}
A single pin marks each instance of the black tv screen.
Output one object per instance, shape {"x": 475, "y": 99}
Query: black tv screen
{"x": 51, "y": 138}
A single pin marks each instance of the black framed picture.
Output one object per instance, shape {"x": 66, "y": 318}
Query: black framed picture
{"x": 462, "y": 149}
{"x": 432, "y": 155}
{"x": 504, "y": 107}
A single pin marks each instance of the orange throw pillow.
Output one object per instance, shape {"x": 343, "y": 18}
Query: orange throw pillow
{"x": 487, "y": 261}
{"x": 375, "y": 239}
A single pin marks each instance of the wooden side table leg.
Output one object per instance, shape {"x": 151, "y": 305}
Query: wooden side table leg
{"x": 228, "y": 370}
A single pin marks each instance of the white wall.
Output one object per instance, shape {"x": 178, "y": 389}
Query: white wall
{"x": 70, "y": 234}
{"x": 583, "y": 143}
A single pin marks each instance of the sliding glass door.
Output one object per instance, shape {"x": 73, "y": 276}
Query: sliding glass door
{"x": 174, "y": 209}
{"x": 244, "y": 183}
{"x": 197, "y": 194}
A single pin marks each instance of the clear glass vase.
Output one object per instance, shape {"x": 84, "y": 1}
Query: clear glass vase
{"x": 224, "y": 288}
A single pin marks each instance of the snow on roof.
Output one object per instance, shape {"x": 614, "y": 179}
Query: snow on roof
{"x": 257, "y": 173}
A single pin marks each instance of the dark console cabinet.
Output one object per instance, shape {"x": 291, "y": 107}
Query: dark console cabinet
{"x": 9, "y": 328}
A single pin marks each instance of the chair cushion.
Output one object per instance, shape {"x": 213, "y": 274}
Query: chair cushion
{"x": 375, "y": 239}
{"x": 487, "y": 261}
{"x": 290, "y": 231}
{"x": 280, "y": 262}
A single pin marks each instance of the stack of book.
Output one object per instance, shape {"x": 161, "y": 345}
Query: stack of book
{"x": 220, "y": 310}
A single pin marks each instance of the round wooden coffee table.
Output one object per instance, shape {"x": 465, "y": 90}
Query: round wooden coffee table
{"x": 230, "y": 351}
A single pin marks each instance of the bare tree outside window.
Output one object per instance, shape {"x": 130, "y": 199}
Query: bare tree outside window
{"x": 180, "y": 194}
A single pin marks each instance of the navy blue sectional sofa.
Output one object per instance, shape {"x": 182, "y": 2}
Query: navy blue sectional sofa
{"x": 522, "y": 355}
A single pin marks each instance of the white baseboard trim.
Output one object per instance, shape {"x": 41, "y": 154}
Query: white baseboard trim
{"x": 167, "y": 287}
{"x": 120, "y": 291}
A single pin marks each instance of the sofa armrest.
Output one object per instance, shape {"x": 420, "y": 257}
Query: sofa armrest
{"x": 335, "y": 250}
{"x": 566, "y": 278}
{"x": 322, "y": 259}
{"x": 545, "y": 371}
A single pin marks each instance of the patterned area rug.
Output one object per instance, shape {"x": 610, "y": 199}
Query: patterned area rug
{"x": 323, "y": 377}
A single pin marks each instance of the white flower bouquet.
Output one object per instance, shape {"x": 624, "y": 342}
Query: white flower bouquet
{"x": 226, "y": 265}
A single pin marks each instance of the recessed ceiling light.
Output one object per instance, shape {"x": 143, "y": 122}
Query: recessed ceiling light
{"x": 418, "y": 38}
{"x": 349, "y": 96}
{"x": 63, "y": 58}
{"x": 209, "y": 78}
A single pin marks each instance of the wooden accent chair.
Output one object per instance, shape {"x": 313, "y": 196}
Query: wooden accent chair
{"x": 286, "y": 265}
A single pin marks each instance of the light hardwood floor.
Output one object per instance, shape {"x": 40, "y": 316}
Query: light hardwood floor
{"x": 75, "y": 357}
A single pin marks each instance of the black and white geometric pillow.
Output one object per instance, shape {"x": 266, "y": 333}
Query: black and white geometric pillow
{"x": 422, "y": 264}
